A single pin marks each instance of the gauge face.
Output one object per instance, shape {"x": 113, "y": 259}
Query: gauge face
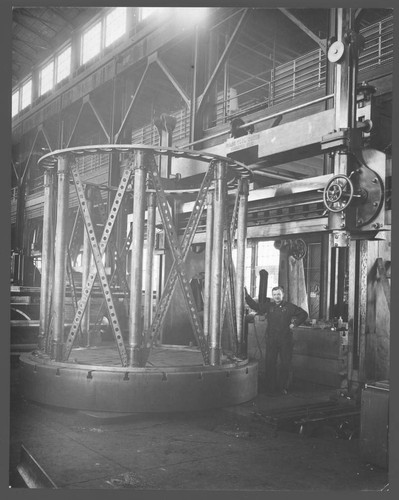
{"x": 336, "y": 51}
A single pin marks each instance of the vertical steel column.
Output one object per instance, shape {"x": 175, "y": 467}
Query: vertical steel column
{"x": 60, "y": 258}
{"x": 148, "y": 300}
{"x": 47, "y": 250}
{"x": 133, "y": 349}
{"x": 86, "y": 261}
{"x": 217, "y": 263}
{"x": 208, "y": 262}
{"x": 241, "y": 245}
{"x": 193, "y": 106}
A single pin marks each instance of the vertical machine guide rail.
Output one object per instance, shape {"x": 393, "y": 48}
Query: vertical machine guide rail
{"x": 98, "y": 250}
{"x": 179, "y": 253}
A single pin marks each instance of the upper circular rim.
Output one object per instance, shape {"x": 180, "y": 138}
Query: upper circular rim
{"x": 49, "y": 159}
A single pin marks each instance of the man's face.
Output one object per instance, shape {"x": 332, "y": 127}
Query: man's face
{"x": 277, "y": 296}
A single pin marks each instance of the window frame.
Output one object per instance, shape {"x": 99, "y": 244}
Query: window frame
{"x": 18, "y": 94}
{"x": 27, "y": 82}
{"x": 44, "y": 68}
{"x": 105, "y": 45}
{"x": 56, "y": 66}
{"x": 100, "y": 23}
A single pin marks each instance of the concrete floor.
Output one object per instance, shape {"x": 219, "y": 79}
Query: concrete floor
{"x": 229, "y": 449}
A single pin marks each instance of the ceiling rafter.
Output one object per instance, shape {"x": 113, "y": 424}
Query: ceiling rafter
{"x": 30, "y": 44}
{"x": 17, "y": 51}
{"x": 35, "y": 32}
{"x": 27, "y": 13}
{"x": 61, "y": 16}
{"x": 304, "y": 28}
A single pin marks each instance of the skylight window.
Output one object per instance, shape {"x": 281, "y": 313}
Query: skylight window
{"x": 46, "y": 79}
{"x": 63, "y": 68}
{"x": 115, "y": 25}
{"x": 15, "y": 103}
{"x": 26, "y": 94}
{"x": 91, "y": 43}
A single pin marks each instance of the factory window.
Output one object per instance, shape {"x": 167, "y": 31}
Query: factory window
{"x": 91, "y": 43}
{"x": 115, "y": 25}
{"x": 15, "y": 103}
{"x": 63, "y": 67}
{"x": 268, "y": 258}
{"x": 46, "y": 78}
{"x": 26, "y": 94}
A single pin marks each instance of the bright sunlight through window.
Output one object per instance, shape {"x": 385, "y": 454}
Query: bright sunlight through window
{"x": 47, "y": 78}
{"x": 91, "y": 43}
{"x": 115, "y": 25}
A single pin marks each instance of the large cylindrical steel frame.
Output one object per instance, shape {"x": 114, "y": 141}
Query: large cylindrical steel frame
{"x": 109, "y": 388}
{"x": 60, "y": 258}
{"x": 47, "y": 257}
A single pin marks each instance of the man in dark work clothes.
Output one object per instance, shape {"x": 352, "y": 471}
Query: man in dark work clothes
{"x": 282, "y": 317}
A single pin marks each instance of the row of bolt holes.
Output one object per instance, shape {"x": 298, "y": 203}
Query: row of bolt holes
{"x": 91, "y": 277}
{"x": 126, "y": 377}
{"x": 185, "y": 286}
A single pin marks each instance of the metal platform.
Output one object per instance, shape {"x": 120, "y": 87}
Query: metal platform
{"x": 173, "y": 380}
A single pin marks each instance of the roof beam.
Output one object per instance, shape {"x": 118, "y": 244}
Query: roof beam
{"x": 224, "y": 56}
{"x": 30, "y": 44}
{"x": 26, "y": 12}
{"x": 133, "y": 100}
{"x": 31, "y": 30}
{"x": 16, "y": 51}
{"x": 60, "y": 16}
{"x": 173, "y": 81}
{"x": 305, "y": 29}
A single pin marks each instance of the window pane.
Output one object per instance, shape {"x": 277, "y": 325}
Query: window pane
{"x": 115, "y": 25}
{"x": 63, "y": 64}
{"x": 15, "y": 103}
{"x": 26, "y": 94}
{"x": 47, "y": 78}
{"x": 91, "y": 43}
{"x": 268, "y": 259}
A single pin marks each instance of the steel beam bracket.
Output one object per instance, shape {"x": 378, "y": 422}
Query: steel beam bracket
{"x": 346, "y": 139}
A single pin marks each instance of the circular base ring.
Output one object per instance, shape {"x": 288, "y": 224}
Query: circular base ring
{"x": 131, "y": 390}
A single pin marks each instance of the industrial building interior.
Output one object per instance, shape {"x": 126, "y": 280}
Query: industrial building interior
{"x": 165, "y": 160}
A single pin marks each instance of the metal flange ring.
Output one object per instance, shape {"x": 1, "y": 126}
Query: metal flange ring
{"x": 49, "y": 160}
{"x": 338, "y": 193}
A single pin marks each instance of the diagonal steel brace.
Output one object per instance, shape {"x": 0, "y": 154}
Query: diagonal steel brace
{"x": 179, "y": 253}
{"x": 98, "y": 250}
